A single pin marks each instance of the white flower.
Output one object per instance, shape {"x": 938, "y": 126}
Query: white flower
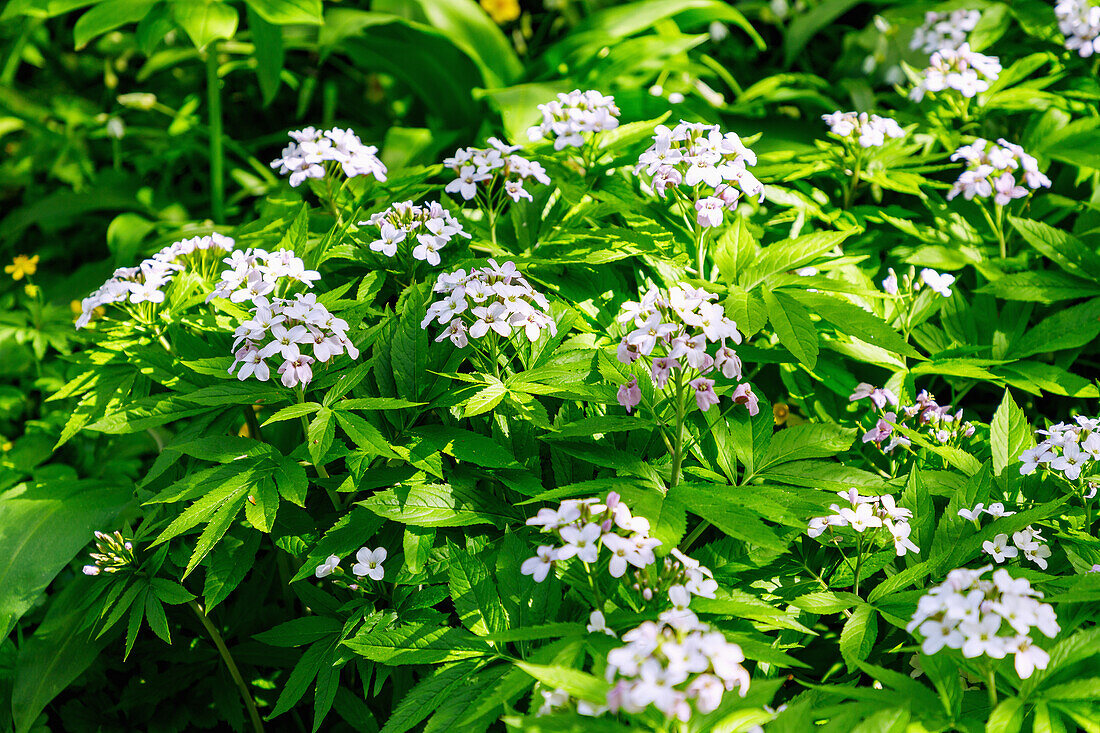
{"x": 999, "y": 548}
{"x": 941, "y": 283}
{"x": 572, "y": 116}
{"x": 584, "y": 542}
{"x": 327, "y": 568}
{"x": 1028, "y": 657}
{"x": 369, "y": 563}
{"x": 870, "y": 130}
{"x": 861, "y": 518}
{"x": 944, "y": 30}
{"x": 596, "y": 623}
{"x": 539, "y": 565}
{"x": 959, "y": 69}
{"x": 1079, "y": 22}
{"x": 972, "y": 514}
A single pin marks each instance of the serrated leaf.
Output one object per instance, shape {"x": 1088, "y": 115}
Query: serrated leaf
{"x": 792, "y": 324}
{"x": 1009, "y": 434}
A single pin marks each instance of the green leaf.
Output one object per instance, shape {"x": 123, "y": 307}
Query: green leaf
{"x": 485, "y": 399}
{"x": 1061, "y": 247}
{"x": 474, "y": 593}
{"x": 808, "y": 440}
{"x": 792, "y": 324}
{"x": 58, "y": 652}
{"x": 270, "y": 56}
{"x": 470, "y": 28}
{"x": 293, "y": 412}
{"x": 465, "y": 445}
{"x": 106, "y": 16}
{"x": 432, "y": 505}
{"x": 205, "y": 22}
{"x": 1042, "y": 286}
{"x": 427, "y": 696}
{"x": 170, "y": 591}
{"x": 42, "y": 528}
{"x": 578, "y": 684}
{"x": 363, "y": 434}
{"x": 290, "y": 478}
{"x": 1009, "y": 434}
{"x": 717, "y": 504}
{"x": 288, "y": 12}
{"x": 321, "y": 431}
{"x": 1067, "y": 328}
{"x": 226, "y": 567}
{"x": 826, "y": 602}
{"x": 858, "y": 635}
{"x": 300, "y": 631}
{"x": 262, "y": 505}
{"x": 851, "y": 320}
{"x": 416, "y": 643}
{"x": 790, "y": 254}
{"x": 807, "y": 25}
{"x": 1007, "y": 717}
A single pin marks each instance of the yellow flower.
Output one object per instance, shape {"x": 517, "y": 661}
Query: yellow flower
{"x": 501, "y": 11}
{"x": 22, "y": 265}
{"x": 7, "y": 446}
{"x": 780, "y": 412}
{"x": 75, "y": 307}
{"x": 31, "y": 290}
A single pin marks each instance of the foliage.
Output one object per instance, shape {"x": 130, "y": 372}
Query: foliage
{"x": 557, "y": 444}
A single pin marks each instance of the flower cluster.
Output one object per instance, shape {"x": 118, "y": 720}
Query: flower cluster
{"x": 968, "y": 612}
{"x": 313, "y": 152}
{"x": 672, "y": 332}
{"x": 937, "y": 421}
{"x": 1079, "y": 21}
{"x": 582, "y": 526}
{"x": 1067, "y": 448}
{"x": 1027, "y": 540}
{"x": 502, "y": 301}
{"x": 255, "y": 273}
{"x": 695, "y": 153}
{"x": 475, "y": 166}
{"x": 944, "y": 30}
{"x": 114, "y": 552}
{"x": 938, "y": 282}
{"x": 867, "y": 514}
{"x": 870, "y": 130}
{"x": 674, "y": 668}
{"x": 147, "y": 282}
{"x": 433, "y": 226}
{"x": 967, "y": 72}
{"x": 368, "y": 564}
{"x": 290, "y": 323}
{"x": 572, "y": 115}
{"x": 992, "y": 169}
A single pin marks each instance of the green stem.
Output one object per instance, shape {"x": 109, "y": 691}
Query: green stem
{"x": 219, "y": 643}
{"x": 678, "y": 447}
{"x": 991, "y": 687}
{"x": 853, "y": 182}
{"x": 592, "y": 584}
{"x": 217, "y": 156}
{"x": 859, "y": 565}
{"x": 700, "y": 250}
{"x": 253, "y": 423}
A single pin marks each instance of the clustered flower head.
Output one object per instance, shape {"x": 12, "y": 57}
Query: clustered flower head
{"x": 944, "y": 30}
{"x": 313, "y": 152}
{"x": 674, "y": 668}
{"x": 494, "y": 298}
{"x": 433, "y": 226}
{"x": 572, "y": 115}
{"x": 1079, "y": 21}
{"x": 114, "y": 552}
{"x": 693, "y": 154}
{"x": 909, "y": 283}
{"x": 672, "y": 332}
{"x": 485, "y": 167}
{"x": 985, "y": 617}
{"x": 1028, "y": 540}
{"x": 285, "y": 324}
{"x": 1067, "y": 448}
{"x": 967, "y": 72}
{"x": 937, "y": 421}
{"x": 582, "y": 526}
{"x": 870, "y": 130}
{"x": 992, "y": 169}
{"x": 867, "y": 515}
{"x": 147, "y": 282}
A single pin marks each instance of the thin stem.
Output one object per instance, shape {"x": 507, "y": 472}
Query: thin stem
{"x": 592, "y": 584}
{"x": 678, "y": 447}
{"x": 217, "y": 158}
{"x": 253, "y": 423}
{"x": 701, "y": 250}
{"x": 991, "y": 687}
{"x": 219, "y": 643}
{"x": 685, "y": 545}
{"x": 853, "y": 182}
{"x": 859, "y": 565}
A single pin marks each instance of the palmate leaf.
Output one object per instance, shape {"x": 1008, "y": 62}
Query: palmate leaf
{"x": 436, "y": 505}
{"x": 474, "y": 593}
